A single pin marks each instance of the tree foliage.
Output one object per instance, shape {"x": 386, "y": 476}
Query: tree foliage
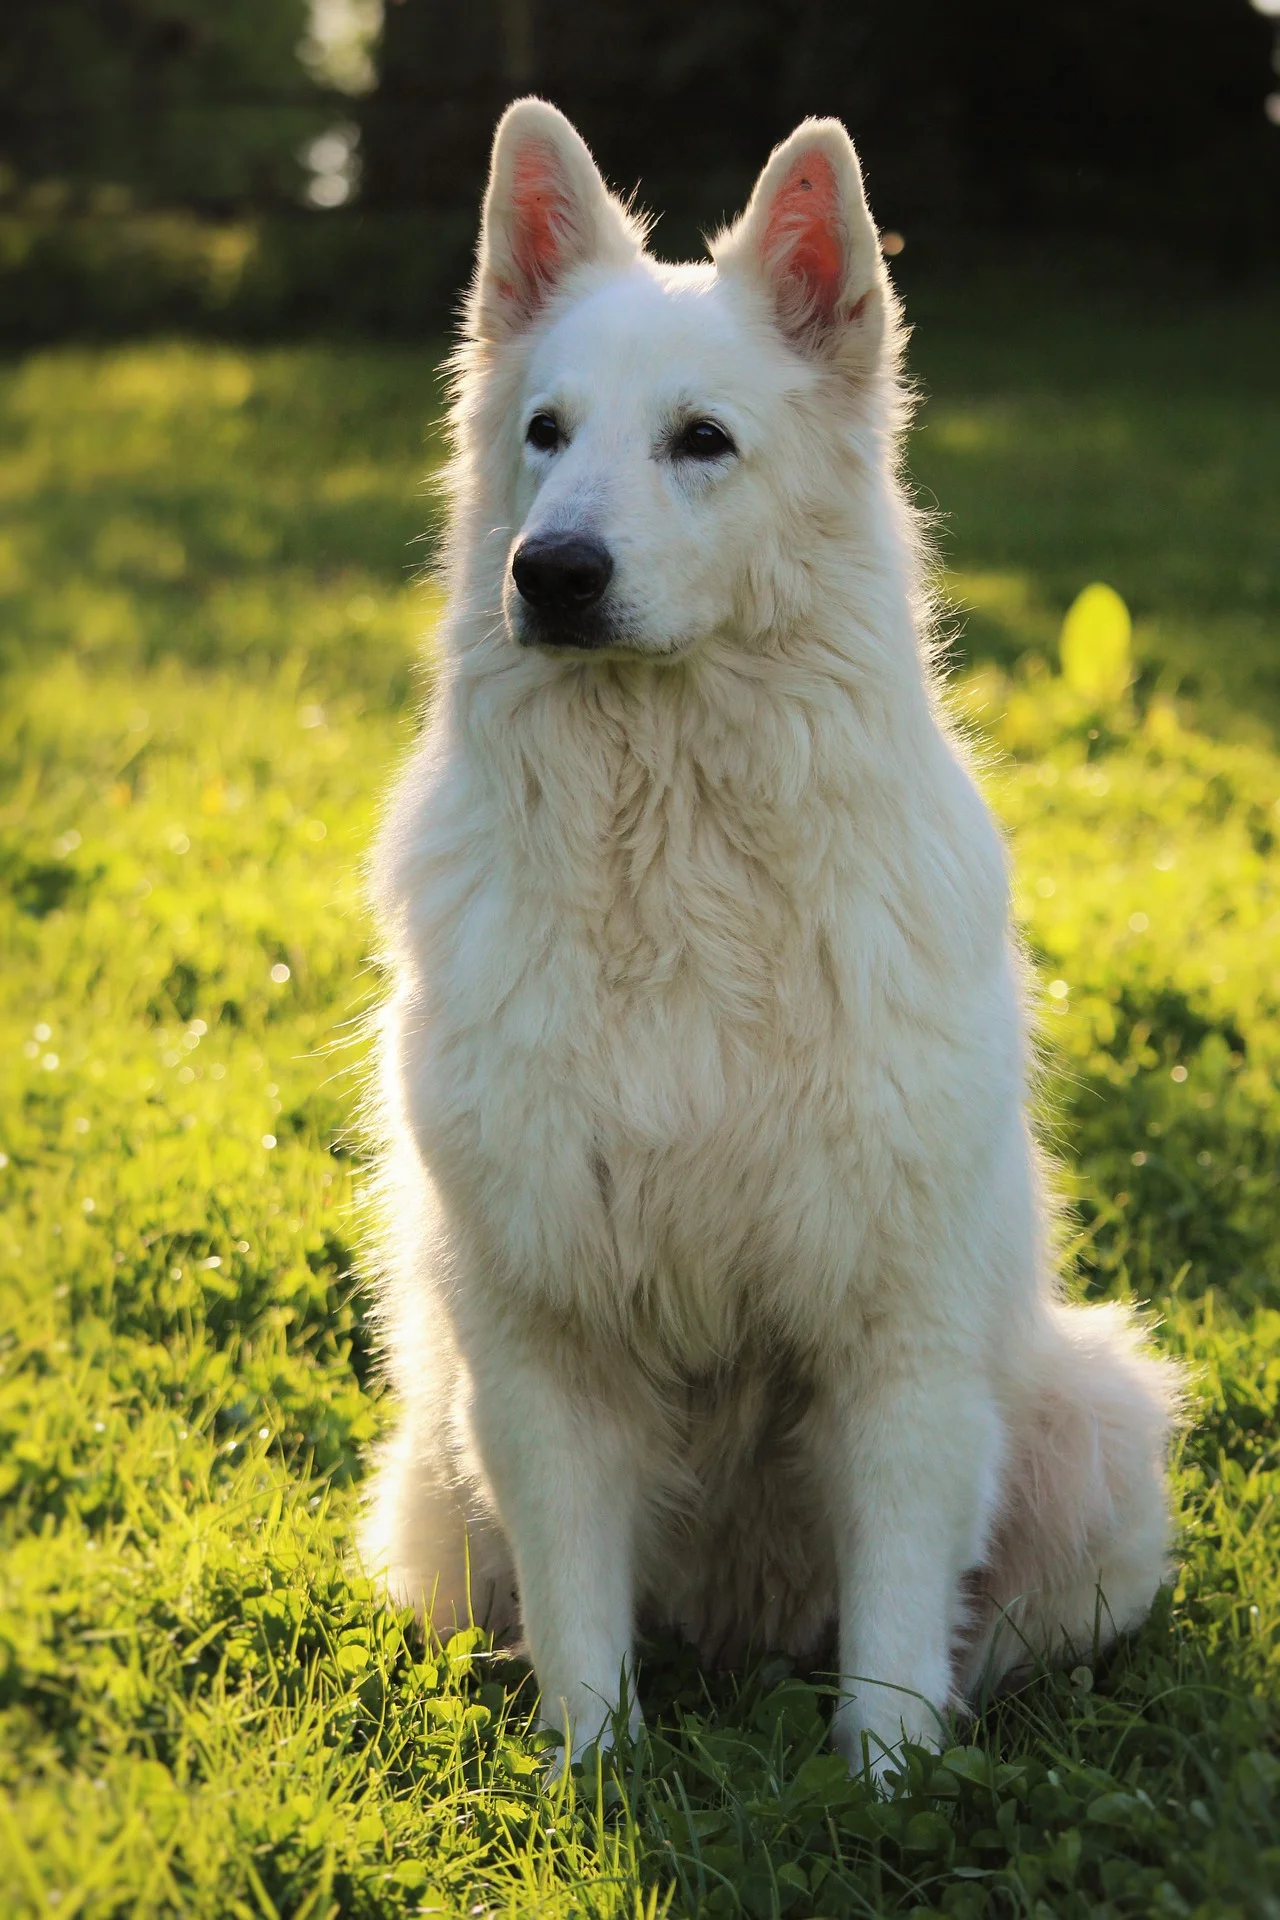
{"x": 1113, "y": 114}
{"x": 195, "y": 102}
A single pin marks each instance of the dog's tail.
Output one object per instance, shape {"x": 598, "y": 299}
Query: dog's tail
{"x": 1083, "y": 1541}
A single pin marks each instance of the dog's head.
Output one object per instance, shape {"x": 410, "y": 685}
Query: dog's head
{"x": 662, "y": 446}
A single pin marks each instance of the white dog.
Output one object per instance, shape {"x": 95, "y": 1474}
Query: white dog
{"x": 717, "y": 1283}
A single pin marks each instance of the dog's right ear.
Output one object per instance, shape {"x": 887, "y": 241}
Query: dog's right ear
{"x": 546, "y": 211}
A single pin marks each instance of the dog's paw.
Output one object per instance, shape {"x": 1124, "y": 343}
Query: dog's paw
{"x": 878, "y": 1753}
{"x": 556, "y": 1762}
{"x": 582, "y": 1749}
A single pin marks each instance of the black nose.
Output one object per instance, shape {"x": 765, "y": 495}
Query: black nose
{"x": 561, "y": 572}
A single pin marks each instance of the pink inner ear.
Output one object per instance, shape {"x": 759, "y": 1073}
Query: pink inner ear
{"x": 541, "y": 212}
{"x": 802, "y": 237}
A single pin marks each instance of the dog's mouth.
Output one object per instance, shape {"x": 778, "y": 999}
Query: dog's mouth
{"x": 601, "y": 633}
{"x": 556, "y": 634}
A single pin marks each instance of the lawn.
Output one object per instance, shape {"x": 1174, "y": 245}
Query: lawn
{"x": 209, "y": 611}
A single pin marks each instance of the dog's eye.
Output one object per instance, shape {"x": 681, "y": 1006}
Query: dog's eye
{"x": 543, "y": 432}
{"x": 703, "y": 440}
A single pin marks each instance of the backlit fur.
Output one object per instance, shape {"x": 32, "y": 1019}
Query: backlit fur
{"x": 716, "y": 1280}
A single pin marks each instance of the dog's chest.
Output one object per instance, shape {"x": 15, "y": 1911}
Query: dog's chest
{"x": 676, "y": 1089}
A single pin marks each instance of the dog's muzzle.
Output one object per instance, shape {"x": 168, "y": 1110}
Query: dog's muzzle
{"x": 562, "y": 579}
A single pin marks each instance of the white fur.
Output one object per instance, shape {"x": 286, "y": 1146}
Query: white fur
{"x": 717, "y": 1288}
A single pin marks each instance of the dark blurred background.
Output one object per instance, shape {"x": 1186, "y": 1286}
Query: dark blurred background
{"x": 260, "y": 166}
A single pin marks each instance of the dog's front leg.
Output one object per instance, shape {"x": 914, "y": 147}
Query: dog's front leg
{"x": 908, "y": 1448}
{"x": 564, "y": 1469}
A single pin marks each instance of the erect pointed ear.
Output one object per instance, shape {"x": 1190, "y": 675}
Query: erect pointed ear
{"x": 808, "y": 239}
{"x": 546, "y": 211}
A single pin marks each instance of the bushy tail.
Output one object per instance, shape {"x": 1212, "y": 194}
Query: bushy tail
{"x": 1083, "y": 1541}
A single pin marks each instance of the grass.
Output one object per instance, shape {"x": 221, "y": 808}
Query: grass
{"x": 207, "y": 626}
{"x": 1122, "y": 437}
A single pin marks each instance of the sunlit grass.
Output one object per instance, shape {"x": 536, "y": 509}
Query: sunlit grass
{"x": 208, "y": 628}
{"x": 1072, "y": 435}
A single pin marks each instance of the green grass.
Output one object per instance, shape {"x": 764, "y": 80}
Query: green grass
{"x": 207, "y": 626}
{"x": 1114, "y": 437}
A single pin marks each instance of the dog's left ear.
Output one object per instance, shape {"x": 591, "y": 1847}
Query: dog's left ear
{"x": 808, "y": 240}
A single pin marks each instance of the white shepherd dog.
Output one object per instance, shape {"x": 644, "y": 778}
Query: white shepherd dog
{"x": 717, "y": 1281}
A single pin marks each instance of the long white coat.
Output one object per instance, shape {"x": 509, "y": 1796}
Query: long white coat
{"x": 716, "y": 1281}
